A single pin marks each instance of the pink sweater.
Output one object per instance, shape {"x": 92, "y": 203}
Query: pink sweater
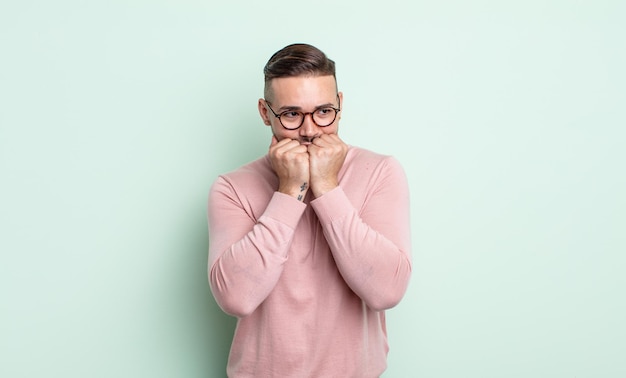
{"x": 309, "y": 281}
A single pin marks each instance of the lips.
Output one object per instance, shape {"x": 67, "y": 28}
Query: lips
{"x": 307, "y": 141}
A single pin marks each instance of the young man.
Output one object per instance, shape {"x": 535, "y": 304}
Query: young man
{"x": 310, "y": 243}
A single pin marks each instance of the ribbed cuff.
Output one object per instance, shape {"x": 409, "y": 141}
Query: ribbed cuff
{"x": 285, "y": 209}
{"x": 332, "y": 205}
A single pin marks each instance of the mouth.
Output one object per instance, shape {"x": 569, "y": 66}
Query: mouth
{"x": 307, "y": 141}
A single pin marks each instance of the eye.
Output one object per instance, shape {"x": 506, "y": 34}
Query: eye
{"x": 290, "y": 114}
{"x": 325, "y": 112}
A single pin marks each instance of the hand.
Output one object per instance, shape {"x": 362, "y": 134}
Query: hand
{"x": 290, "y": 161}
{"x": 327, "y": 153}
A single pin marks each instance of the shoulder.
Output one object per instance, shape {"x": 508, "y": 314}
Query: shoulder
{"x": 368, "y": 175}
{"x": 255, "y": 175}
{"x": 249, "y": 187}
{"x": 256, "y": 169}
{"x": 368, "y": 161}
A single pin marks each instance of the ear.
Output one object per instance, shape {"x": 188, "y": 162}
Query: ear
{"x": 263, "y": 112}
{"x": 340, "y": 94}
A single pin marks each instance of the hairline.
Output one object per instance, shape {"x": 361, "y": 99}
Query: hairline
{"x": 267, "y": 91}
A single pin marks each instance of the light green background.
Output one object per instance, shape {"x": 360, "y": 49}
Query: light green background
{"x": 508, "y": 116}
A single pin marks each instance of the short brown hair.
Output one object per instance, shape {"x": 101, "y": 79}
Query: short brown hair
{"x": 298, "y": 59}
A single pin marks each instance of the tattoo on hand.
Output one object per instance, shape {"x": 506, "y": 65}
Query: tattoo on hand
{"x": 302, "y": 189}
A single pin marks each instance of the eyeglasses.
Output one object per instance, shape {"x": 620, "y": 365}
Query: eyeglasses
{"x": 293, "y": 119}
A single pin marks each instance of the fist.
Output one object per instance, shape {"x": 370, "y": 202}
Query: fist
{"x": 327, "y": 155}
{"x": 290, "y": 161}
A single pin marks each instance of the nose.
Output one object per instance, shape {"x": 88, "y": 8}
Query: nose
{"x": 309, "y": 128}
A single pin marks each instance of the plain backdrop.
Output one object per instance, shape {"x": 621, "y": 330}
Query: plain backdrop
{"x": 508, "y": 116}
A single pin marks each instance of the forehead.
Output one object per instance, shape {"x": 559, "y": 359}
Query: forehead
{"x": 304, "y": 90}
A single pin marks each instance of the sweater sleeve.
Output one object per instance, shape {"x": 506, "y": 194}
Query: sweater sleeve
{"x": 371, "y": 246}
{"x": 246, "y": 257}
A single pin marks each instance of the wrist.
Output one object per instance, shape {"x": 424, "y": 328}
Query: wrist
{"x": 296, "y": 191}
{"x": 323, "y": 188}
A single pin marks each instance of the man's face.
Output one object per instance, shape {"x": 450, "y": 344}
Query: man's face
{"x": 304, "y": 94}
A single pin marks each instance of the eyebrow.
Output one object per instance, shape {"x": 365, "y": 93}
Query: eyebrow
{"x": 299, "y": 108}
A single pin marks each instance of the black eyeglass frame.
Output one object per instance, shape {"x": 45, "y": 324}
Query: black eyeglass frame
{"x": 304, "y": 114}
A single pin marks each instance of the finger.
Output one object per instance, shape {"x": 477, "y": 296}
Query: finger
{"x": 333, "y": 138}
{"x": 312, "y": 148}
{"x": 320, "y": 141}
{"x": 281, "y": 143}
{"x": 326, "y": 140}
{"x": 299, "y": 149}
{"x": 289, "y": 146}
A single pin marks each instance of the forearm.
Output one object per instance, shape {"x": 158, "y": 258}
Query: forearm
{"x": 246, "y": 258}
{"x": 244, "y": 275}
{"x": 375, "y": 268}
{"x": 374, "y": 256}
